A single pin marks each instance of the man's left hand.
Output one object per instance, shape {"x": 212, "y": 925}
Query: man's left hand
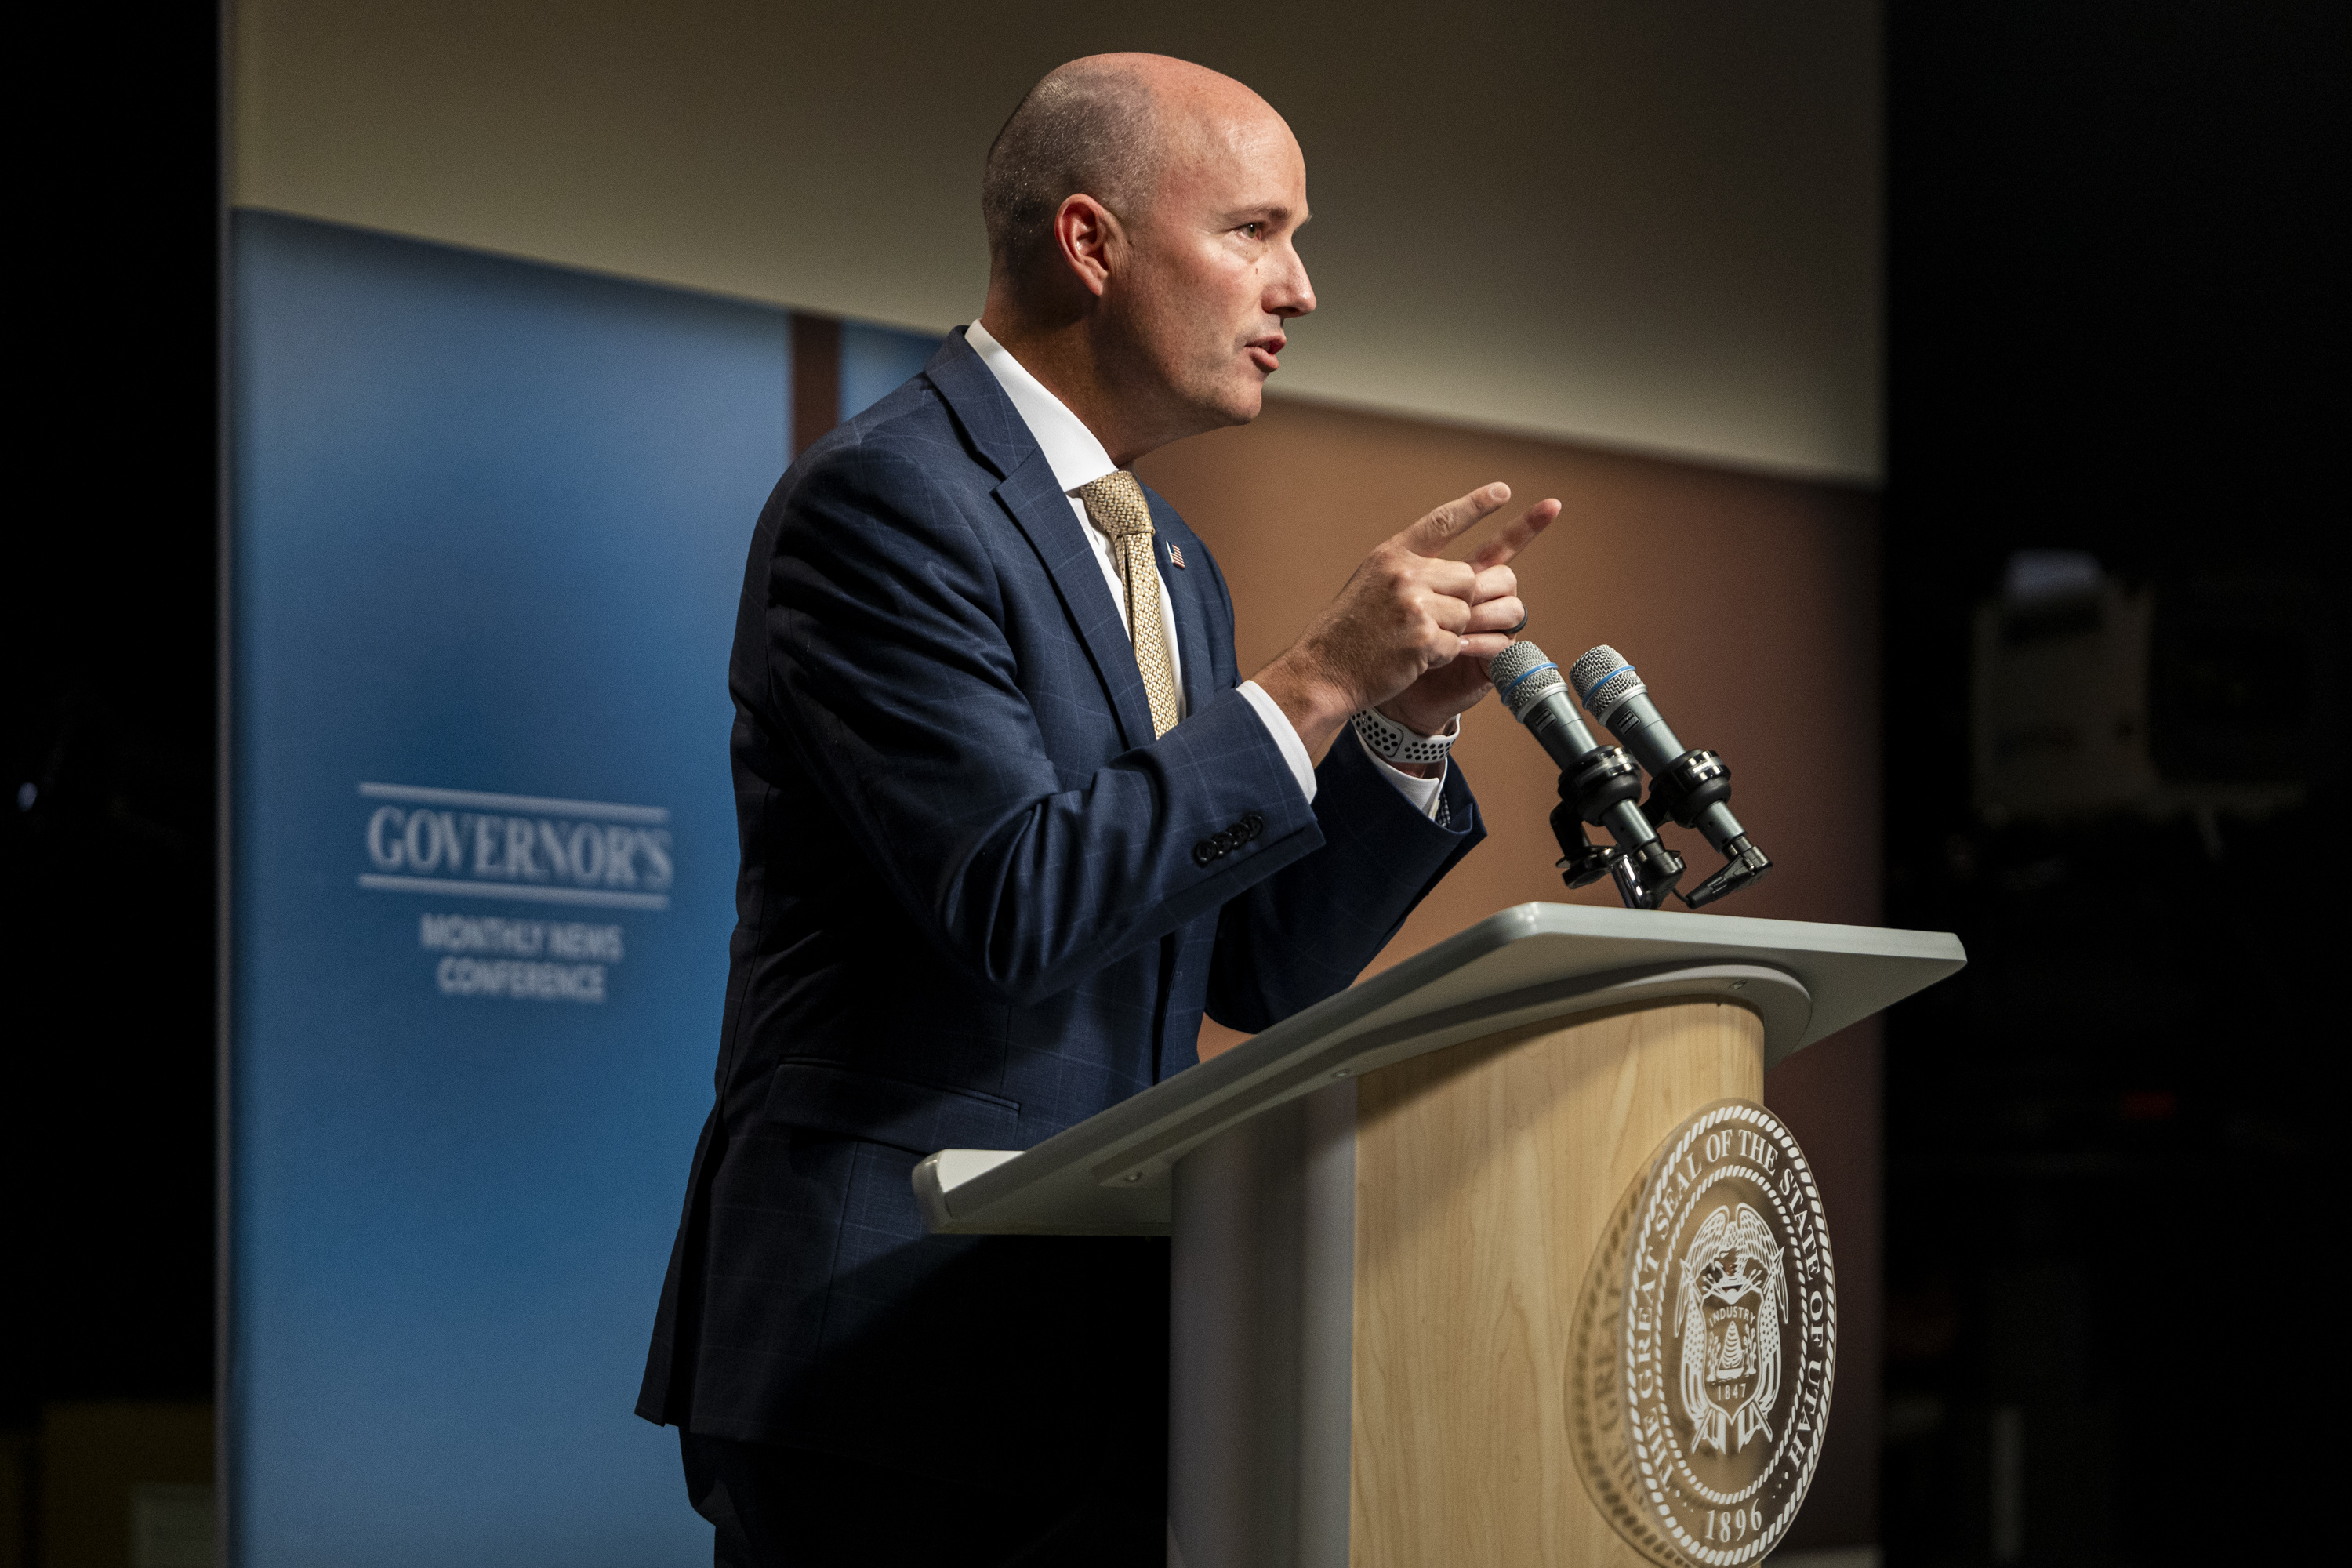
{"x": 1431, "y": 703}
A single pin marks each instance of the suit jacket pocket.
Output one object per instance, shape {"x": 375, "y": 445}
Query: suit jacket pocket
{"x": 826, "y": 1097}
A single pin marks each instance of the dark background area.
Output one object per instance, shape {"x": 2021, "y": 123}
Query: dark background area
{"x": 2109, "y": 331}
{"x": 106, "y": 830}
{"x": 2112, "y": 318}
{"x": 107, "y": 791}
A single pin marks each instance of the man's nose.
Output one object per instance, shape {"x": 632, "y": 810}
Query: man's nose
{"x": 1292, "y": 294}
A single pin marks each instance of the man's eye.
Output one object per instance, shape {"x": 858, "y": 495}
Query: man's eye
{"x": 1253, "y": 229}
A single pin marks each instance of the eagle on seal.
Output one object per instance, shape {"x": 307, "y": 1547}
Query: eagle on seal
{"x": 1731, "y": 1263}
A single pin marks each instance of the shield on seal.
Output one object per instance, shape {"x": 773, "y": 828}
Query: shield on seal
{"x": 1729, "y": 1311}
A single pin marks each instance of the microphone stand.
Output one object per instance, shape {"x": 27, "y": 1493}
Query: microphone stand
{"x": 1607, "y": 777}
{"x": 1691, "y": 792}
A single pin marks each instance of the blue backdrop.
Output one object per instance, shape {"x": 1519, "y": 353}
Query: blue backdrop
{"x": 490, "y": 525}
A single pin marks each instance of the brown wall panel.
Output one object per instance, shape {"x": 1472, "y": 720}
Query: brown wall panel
{"x": 1750, "y": 605}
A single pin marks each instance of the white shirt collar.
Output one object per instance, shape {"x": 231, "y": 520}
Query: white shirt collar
{"x": 1071, "y": 450}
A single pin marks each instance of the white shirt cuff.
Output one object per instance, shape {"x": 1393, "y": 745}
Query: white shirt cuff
{"x": 1286, "y": 739}
{"x": 1422, "y": 793}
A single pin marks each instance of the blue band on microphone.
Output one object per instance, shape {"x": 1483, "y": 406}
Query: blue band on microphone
{"x": 1504, "y": 693}
{"x": 1602, "y": 682}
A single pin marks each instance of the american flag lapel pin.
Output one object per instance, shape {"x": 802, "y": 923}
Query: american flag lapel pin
{"x": 1176, "y": 555}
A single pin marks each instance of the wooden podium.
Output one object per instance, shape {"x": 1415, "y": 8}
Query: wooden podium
{"x": 1402, "y": 1220}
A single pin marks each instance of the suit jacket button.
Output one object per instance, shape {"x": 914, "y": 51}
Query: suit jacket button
{"x": 1223, "y": 841}
{"x": 1204, "y": 852}
{"x": 1253, "y": 825}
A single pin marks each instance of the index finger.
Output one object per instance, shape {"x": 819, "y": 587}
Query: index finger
{"x": 1432, "y": 532}
{"x": 1517, "y": 535}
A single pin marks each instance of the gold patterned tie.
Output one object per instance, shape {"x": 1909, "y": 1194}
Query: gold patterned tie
{"x": 1116, "y": 503}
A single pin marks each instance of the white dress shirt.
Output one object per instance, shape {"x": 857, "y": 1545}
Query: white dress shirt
{"x": 1077, "y": 458}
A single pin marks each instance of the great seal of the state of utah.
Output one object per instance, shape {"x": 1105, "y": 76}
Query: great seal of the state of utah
{"x": 1707, "y": 1343}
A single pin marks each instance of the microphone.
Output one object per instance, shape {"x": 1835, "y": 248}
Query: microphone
{"x": 1691, "y": 786}
{"x": 1598, "y": 785}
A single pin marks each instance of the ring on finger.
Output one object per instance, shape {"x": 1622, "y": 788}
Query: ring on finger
{"x": 1520, "y": 628}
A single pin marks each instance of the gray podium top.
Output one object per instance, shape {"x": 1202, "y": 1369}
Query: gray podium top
{"x": 1108, "y": 1174}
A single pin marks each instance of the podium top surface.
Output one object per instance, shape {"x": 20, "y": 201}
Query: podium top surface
{"x": 1108, "y": 1175}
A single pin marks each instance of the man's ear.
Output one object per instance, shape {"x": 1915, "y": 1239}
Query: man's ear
{"x": 1088, "y": 234}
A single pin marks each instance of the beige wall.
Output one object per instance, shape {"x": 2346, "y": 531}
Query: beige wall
{"x": 1654, "y": 227}
{"x": 1749, "y": 604}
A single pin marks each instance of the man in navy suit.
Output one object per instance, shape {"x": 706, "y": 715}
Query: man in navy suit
{"x": 1012, "y": 820}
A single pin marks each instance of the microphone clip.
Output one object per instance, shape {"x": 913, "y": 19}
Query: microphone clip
{"x": 1687, "y": 786}
{"x": 1693, "y": 791}
{"x": 1747, "y": 864}
{"x": 1646, "y": 876}
{"x": 1581, "y": 861}
{"x": 1604, "y": 777}
{"x": 1647, "y": 872}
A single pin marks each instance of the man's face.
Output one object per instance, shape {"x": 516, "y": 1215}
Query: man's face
{"x": 1213, "y": 272}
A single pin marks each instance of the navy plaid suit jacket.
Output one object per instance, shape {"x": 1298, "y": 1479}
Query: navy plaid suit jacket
{"x": 970, "y": 915}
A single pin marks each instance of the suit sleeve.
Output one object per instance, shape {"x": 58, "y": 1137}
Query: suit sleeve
{"x": 1307, "y": 932}
{"x": 890, "y": 676}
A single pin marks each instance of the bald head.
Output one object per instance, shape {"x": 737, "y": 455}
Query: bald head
{"x": 1108, "y": 126}
{"x": 1142, "y": 220}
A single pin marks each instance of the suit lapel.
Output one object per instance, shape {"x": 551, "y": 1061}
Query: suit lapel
{"x": 1184, "y": 599}
{"x": 1037, "y": 506}
{"x": 987, "y": 415}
